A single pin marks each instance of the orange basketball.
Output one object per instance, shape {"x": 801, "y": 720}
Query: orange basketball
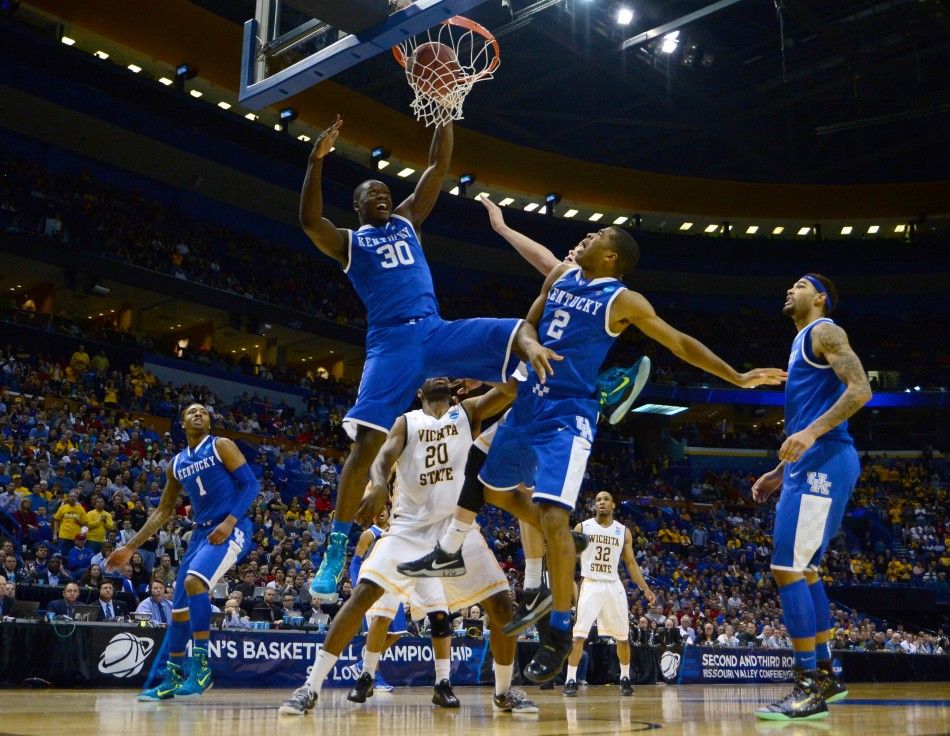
{"x": 434, "y": 69}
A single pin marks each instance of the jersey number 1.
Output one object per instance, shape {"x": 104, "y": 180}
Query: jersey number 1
{"x": 201, "y": 488}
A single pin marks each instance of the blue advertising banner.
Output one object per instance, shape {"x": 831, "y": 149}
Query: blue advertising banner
{"x": 710, "y": 665}
{"x": 283, "y": 659}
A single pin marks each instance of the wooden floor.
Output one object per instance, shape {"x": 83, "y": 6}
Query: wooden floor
{"x": 688, "y": 710}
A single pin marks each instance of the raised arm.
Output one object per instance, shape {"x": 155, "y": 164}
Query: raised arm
{"x": 417, "y": 206}
{"x": 156, "y": 520}
{"x": 634, "y": 569}
{"x": 533, "y": 252}
{"x": 632, "y": 308}
{"x": 490, "y": 403}
{"x": 831, "y": 343}
{"x": 378, "y": 491}
{"x": 324, "y": 234}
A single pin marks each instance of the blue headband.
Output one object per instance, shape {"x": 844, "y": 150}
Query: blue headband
{"x": 820, "y": 288}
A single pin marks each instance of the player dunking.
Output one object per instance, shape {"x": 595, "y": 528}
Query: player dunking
{"x": 817, "y": 473}
{"x": 431, "y": 446}
{"x": 602, "y": 597}
{"x": 406, "y": 339}
{"x": 546, "y": 438}
{"x": 221, "y": 487}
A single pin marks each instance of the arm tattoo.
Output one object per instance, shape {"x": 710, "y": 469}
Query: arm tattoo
{"x": 833, "y": 342}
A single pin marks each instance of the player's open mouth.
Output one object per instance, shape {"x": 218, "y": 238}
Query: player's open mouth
{"x": 382, "y": 207}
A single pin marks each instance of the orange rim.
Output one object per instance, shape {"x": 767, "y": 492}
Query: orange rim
{"x": 462, "y": 22}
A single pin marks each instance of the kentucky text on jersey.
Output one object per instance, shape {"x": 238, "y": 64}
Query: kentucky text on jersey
{"x": 190, "y": 470}
{"x": 208, "y": 484}
{"x": 567, "y": 299}
{"x": 369, "y": 240}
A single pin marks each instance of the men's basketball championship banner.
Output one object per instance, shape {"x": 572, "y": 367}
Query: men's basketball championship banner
{"x": 710, "y": 665}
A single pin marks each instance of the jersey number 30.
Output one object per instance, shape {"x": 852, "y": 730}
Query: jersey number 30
{"x": 395, "y": 254}
{"x": 556, "y": 328}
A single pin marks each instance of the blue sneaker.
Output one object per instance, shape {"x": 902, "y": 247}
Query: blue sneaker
{"x": 165, "y": 690}
{"x": 199, "y": 679}
{"x": 620, "y": 387}
{"x": 324, "y": 584}
{"x": 381, "y": 685}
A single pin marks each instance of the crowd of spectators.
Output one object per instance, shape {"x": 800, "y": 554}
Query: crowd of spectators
{"x": 121, "y": 223}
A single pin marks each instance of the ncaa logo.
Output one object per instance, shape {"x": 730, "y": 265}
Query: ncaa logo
{"x": 669, "y": 664}
{"x": 125, "y": 655}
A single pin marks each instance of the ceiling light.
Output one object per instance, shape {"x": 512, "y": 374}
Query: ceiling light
{"x": 846, "y": 230}
{"x": 778, "y": 230}
{"x": 101, "y": 55}
{"x": 621, "y": 220}
{"x": 670, "y": 42}
{"x": 570, "y": 213}
{"x": 165, "y": 80}
{"x": 454, "y": 190}
{"x": 900, "y": 228}
{"x": 624, "y": 16}
{"x": 874, "y": 229}
{"x": 710, "y": 228}
{"x": 68, "y": 41}
{"x": 506, "y": 201}
{"x": 224, "y": 105}
{"x": 595, "y": 217}
{"x": 686, "y": 226}
{"x": 250, "y": 116}
{"x": 382, "y": 164}
{"x": 483, "y": 195}
{"x": 303, "y": 137}
{"x": 752, "y": 230}
{"x": 804, "y": 230}
{"x": 664, "y": 409}
{"x": 406, "y": 172}
{"x": 134, "y": 68}
{"x": 531, "y": 207}
{"x": 196, "y": 93}
{"x": 277, "y": 126}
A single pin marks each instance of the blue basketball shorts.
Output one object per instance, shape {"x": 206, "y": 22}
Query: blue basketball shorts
{"x": 210, "y": 561}
{"x": 543, "y": 443}
{"x": 815, "y": 493}
{"x": 400, "y": 358}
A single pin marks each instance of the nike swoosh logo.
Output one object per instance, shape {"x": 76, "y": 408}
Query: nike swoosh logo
{"x": 164, "y": 692}
{"x": 439, "y": 566}
{"x": 794, "y": 475}
{"x": 621, "y": 387}
{"x": 203, "y": 681}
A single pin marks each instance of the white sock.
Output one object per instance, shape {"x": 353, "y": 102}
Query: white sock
{"x": 571, "y": 673}
{"x": 503, "y": 674}
{"x": 625, "y": 670}
{"x": 371, "y": 662}
{"x": 321, "y": 668}
{"x": 532, "y": 572}
{"x": 453, "y": 537}
{"x": 443, "y": 668}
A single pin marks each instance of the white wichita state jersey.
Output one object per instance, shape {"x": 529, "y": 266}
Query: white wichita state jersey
{"x": 430, "y": 473}
{"x": 601, "y": 559}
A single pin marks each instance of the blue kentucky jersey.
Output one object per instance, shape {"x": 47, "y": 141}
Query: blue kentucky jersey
{"x": 575, "y": 325}
{"x": 389, "y": 271}
{"x": 209, "y": 485}
{"x": 811, "y": 388}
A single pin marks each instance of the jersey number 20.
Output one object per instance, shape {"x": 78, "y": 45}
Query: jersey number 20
{"x": 395, "y": 254}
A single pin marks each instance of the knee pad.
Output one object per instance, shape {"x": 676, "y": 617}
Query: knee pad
{"x": 472, "y": 496}
{"x": 440, "y": 625}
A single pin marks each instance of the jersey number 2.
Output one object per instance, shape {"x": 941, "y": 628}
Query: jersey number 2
{"x": 396, "y": 253}
{"x": 556, "y": 328}
{"x": 201, "y": 488}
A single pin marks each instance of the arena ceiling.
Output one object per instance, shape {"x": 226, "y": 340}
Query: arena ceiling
{"x": 864, "y": 95}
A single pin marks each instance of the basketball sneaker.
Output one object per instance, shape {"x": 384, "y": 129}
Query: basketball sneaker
{"x": 626, "y": 687}
{"x": 381, "y": 684}
{"x": 437, "y": 564}
{"x": 620, "y": 387}
{"x": 362, "y": 690}
{"x": 513, "y": 701}
{"x": 301, "y": 700}
{"x": 549, "y": 685}
{"x": 832, "y": 689}
{"x": 443, "y": 696}
{"x": 804, "y": 703}
{"x": 324, "y": 584}
{"x": 534, "y": 603}
{"x": 549, "y": 659}
{"x": 570, "y": 689}
{"x": 199, "y": 676}
{"x": 165, "y": 690}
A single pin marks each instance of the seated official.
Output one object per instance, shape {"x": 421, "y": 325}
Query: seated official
{"x": 157, "y": 604}
{"x": 109, "y": 608}
{"x": 65, "y": 606}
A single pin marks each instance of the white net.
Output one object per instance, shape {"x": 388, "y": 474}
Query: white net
{"x": 441, "y": 79}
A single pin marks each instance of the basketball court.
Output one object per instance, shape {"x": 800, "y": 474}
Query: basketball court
{"x": 693, "y": 710}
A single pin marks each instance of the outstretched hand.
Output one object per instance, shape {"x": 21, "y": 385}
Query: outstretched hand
{"x": 495, "y": 216}
{"x": 119, "y": 558}
{"x": 327, "y": 138}
{"x": 766, "y": 485}
{"x": 762, "y": 377}
{"x": 540, "y": 358}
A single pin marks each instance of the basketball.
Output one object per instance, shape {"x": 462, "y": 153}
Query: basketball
{"x": 434, "y": 69}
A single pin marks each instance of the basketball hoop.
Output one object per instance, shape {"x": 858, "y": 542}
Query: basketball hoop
{"x": 444, "y": 65}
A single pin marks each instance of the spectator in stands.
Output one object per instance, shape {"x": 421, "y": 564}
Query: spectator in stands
{"x": 234, "y": 617}
{"x": 65, "y": 606}
{"x": 70, "y": 517}
{"x": 876, "y": 643}
{"x": 894, "y": 643}
{"x": 100, "y": 523}
{"x": 670, "y": 634}
{"x": 247, "y": 585}
{"x": 156, "y": 605}
{"x": 707, "y": 638}
{"x": 270, "y": 601}
{"x": 26, "y": 518}
{"x": 641, "y": 634}
{"x": 103, "y": 554}
{"x": 110, "y": 608}
{"x": 748, "y": 635}
{"x": 79, "y": 557}
{"x": 687, "y": 632}
{"x": 728, "y": 637}
{"x": 92, "y": 577}
{"x": 55, "y": 573}
{"x": 7, "y": 596}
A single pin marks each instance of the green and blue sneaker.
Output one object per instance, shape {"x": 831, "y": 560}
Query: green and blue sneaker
{"x": 199, "y": 679}
{"x": 165, "y": 690}
{"x": 324, "y": 584}
{"x": 620, "y": 387}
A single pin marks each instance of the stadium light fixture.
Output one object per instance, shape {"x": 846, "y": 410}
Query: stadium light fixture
{"x": 465, "y": 180}
{"x": 664, "y": 409}
{"x": 595, "y": 217}
{"x": 531, "y": 206}
{"x": 251, "y": 116}
{"x": 134, "y": 68}
{"x": 551, "y": 200}
{"x": 66, "y": 40}
{"x": 184, "y": 72}
{"x": 752, "y": 230}
{"x": 224, "y": 105}
{"x": 900, "y": 228}
{"x": 303, "y": 137}
{"x": 711, "y": 228}
{"x": 454, "y": 191}
{"x": 624, "y": 16}
{"x": 670, "y": 42}
{"x": 165, "y": 80}
{"x": 544, "y": 210}
{"x": 285, "y": 117}
{"x": 686, "y": 226}
{"x": 378, "y": 158}
{"x": 874, "y": 229}
{"x": 620, "y": 220}
{"x": 506, "y": 201}
{"x": 847, "y": 230}
{"x": 778, "y": 230}
{"x": 403, "y": 173}
{"x": 483, "y": 195}
{"x": 804, "y": 230}
{"x": 570, "y": 213}
{"x": 101, "y": 55}
{"x": 196, "y": 93}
